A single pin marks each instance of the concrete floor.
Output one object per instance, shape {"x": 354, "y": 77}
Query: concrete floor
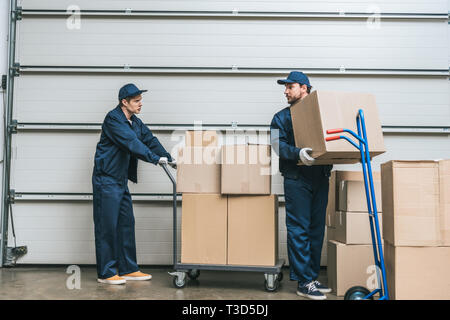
{"x": 49, "y": 282}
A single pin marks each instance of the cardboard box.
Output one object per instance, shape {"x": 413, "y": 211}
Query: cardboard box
{"x": 201, "y": 138}
{"x": 412, "y": 213}
{"x": 352, "y": 196}
{"x": 333, "y": 194}
{"x": 204, "y": 229}
{"x": 417, "y": 273}
{"x": 330, "y": 234}
{"x": 331, "y": 204}
{"x": 198, "y": 170}
{"x": 444, "y": 200}
{"x": 323, "y": 110}
{"x": 354, "y": 227}
{"x": 348, "y": 266}
{"x": 246, "y": 169}
{"x": 253, "y": 230}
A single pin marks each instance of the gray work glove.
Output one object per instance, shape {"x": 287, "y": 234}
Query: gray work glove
{"x": 163, "y": 160}
{"x": 173, "y": 163}
{"x": 305, "y": 157}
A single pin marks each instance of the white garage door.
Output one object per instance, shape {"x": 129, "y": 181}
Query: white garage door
{"x": 211, "y": 61}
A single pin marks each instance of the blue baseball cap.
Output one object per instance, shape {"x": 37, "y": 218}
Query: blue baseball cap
{"x": 129, "y": 90}
{"x": 296, "y": 77}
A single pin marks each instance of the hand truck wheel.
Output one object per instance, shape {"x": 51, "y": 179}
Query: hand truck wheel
{"x": 357, "y": 293}
{"x": 179, "y": 282}
{"x": 271, "y": 283}
{"x": 193, "y": 274}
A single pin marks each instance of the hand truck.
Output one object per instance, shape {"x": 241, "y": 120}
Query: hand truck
{"x": 272, "y": 274}
{"x": 359, "y": 292}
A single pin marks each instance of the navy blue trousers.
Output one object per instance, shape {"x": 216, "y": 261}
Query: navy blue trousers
{"x": 115, "y": 244}
{"x": 306, "y": 203}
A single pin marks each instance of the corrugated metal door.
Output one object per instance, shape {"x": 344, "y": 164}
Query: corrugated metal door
{"x": 210, "y": 61}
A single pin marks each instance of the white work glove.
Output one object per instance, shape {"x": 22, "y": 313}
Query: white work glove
{"x": 163, "y": 160}
{"x": 173, "y": 163}
{"x": 305, "y": 157}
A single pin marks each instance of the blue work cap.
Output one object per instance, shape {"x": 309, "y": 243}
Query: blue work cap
{"x": 296, "y": 77}
{"x": 129, "y": 90}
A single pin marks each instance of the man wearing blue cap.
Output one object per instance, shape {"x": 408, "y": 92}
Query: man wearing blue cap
{"x": 124, "y": 140}
{"x": 305, "y": 192}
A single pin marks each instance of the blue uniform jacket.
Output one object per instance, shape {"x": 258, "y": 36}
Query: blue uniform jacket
{"x": 122, "y": 144}
{"x": 283, "y": 142}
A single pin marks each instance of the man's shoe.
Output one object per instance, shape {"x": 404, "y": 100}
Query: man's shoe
{"x": 137, "y": 276}
{"x": 309, "y": 290}
{"x": 113, "y": 280}
{"x": 321, "y": 287}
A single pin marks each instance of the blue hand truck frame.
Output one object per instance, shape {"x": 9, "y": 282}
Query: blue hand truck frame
{"x": 360, "y": 292}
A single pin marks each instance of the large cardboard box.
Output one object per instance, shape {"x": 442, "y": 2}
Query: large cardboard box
{"x": 253, "y": 230}
{"x": 354, "y": 227}
{"x": 201, "y": 138}
{"x": 323, "y": 110}
{"x": 348, "y": 266}
{"x": 417, "y": 273}
{"x": 330, "y": 234}
{"x": 413, "y": 210}
{"x": 336, "y": 179}
{"x": 444, "y": 200}
{"x": 204, "y": 229}
{"x": 246, "y": 169}
{"x": 198, "y": 170}
{"x": 199, "y": 163}
{"x": 352, "y": 196}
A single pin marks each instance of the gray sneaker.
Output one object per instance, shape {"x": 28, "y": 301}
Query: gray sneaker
{"x": 309, "y": 290}
{"x": 321, "y": 287}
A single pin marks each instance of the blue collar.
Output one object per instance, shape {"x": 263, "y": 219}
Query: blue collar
{"x": 122, "y": 116}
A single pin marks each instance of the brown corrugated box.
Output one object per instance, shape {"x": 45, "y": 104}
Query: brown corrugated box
{"x": 198, "y": 170}
{"x": 333, "y": 194}
{"x": 444, "y": 200}
{"x": 201, "y": 138}
{"x": 246, "y": 169}
{"x": 348, "y": 266}
{"x": 352, "y": 196}
{"x": 354, "y": 227}
{"x": 253, "y": 230}
{"x": 204, "y": 228}
{"x": 323, "y": 110}
{"x": 414, "y": 211}
{"x": 417, "y": 273}
{"x": 199, "y": 163}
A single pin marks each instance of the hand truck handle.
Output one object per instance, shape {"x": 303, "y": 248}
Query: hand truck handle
{"x": 332, "y": 138}
{"x": 330, "y": 131}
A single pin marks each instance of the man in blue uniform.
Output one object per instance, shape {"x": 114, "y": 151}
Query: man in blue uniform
{"x": 124, "y": 140}
{"x": 305, "y": 192}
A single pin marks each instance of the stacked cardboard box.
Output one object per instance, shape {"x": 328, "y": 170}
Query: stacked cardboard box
{"x": 228, "y": 213}
{"x": 416, "y": 228}
{"x": 349, "y": 248}
{"x": 323, "y": 110}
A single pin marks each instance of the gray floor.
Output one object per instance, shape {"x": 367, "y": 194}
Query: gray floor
{"x": 50, "y": 282}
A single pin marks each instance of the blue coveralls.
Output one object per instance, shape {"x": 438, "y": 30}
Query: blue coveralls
{"x": 121, "y": 145}
{"x": 306, "y": 197}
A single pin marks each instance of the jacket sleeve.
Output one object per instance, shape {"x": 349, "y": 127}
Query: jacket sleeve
{"x": 279, "y": 141}
{"x": 153, "y": 143}
{"x": 126, "y": 139}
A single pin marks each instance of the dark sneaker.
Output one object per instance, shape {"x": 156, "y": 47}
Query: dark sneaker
{"x": 322, "y": 288}
{"x": 310, "y": 291}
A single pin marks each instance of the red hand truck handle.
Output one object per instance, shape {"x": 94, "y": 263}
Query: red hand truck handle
{"x": 335, "y": 131}
{"x": 332, "y": 138}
